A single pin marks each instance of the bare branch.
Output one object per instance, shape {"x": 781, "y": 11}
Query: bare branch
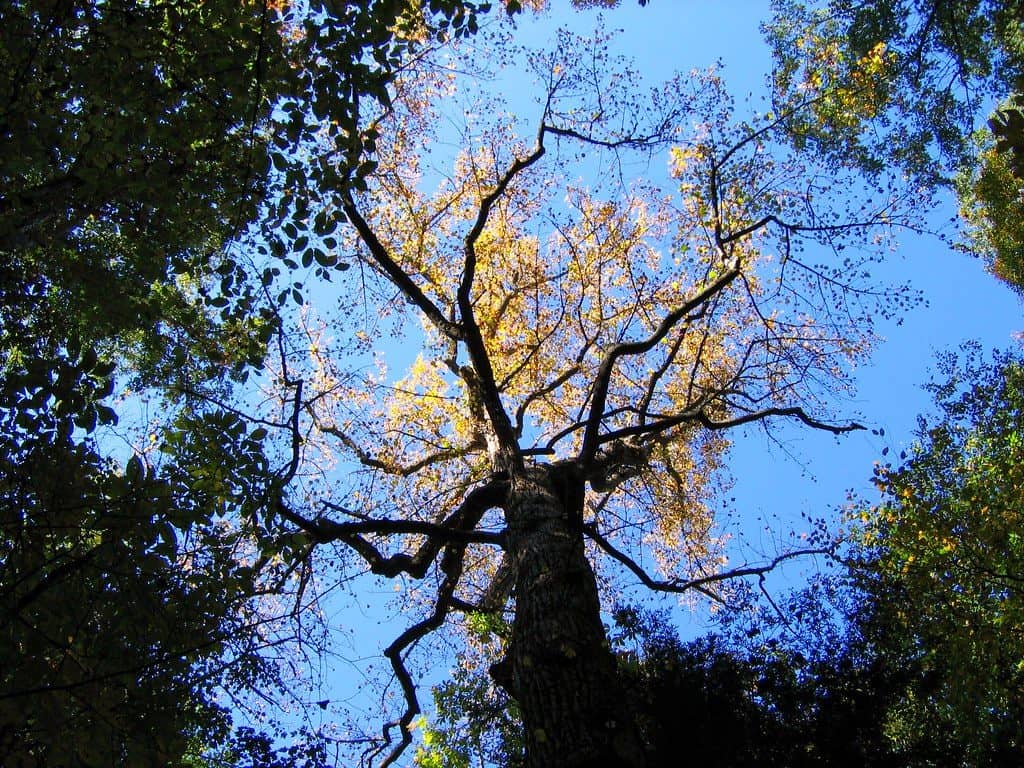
{"x": 475, "y": 347}
{"x": 699, "y": 416}
{"x": 458, "y": 528}
{"x": 630, "y": 142}
{"x": 794, "y": 412}
{"x": 537, "y": 394}
{"x": 591, "y": 435}
{"x": 451, "y": 565}
{"x": 404, "y": 470}
{"x": 700, "y": 584}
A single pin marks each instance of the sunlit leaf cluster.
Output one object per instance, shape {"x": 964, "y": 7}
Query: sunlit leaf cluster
{"x": 911, "y": 77}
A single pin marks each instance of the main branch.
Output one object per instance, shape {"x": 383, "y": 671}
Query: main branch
{"x": 395, "y": 273}
{"x": 592, "y": 432}
{"x": 458, "y": 528}
{"x": 501, "y": 424}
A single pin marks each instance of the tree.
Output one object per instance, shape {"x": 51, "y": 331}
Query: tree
{"x": 936, "y": 63}
{"x": 133, "y": 147}
{"x": 991, "y": 207}
{"x": 925, "y": 596}
{"x": 585, "y": 348}
{"x": 941, "y": 562}
{"x": 929, "y": 589}
{"x": 115, "y": 632}
{"x": 756, "y": 699}
{"x": 138, "y": 143}
{"x": 927, "y": 69}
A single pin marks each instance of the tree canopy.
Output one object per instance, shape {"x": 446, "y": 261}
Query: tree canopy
{"x": 940, "y": 63}
{"x": 928, "y": 73}
{"x": 133, "y": 149}
{"x": 221, "y": 223}
{"x": 941, "y": 562}
{"x": 585, "y": 346}
{"x": 137, "y": 144}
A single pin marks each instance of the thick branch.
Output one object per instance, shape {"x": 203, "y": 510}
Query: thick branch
{"x": 592, "y": 434}
{"x": 629, "y": 142}
{"x": 293, "y": 464}
{"x": 396, "y": 274}
{"x": 457, "y": 528}
{"x": 699, "y": 416}
{"x": 794, "y": 412}
{"x": 488, "y": 202}
{"x": 475, "y": 347}
{"x": 451, "y": 565}
{"x": 327, "y": 530}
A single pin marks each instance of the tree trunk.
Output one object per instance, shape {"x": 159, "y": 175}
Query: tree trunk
{"x": 562, "y": 670}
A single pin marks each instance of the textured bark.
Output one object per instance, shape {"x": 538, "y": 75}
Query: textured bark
{"x": 562, "y": 672}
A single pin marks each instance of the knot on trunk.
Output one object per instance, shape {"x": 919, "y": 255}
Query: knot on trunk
{"x": 501, "y": 674}
{"x": 617, "y": 462}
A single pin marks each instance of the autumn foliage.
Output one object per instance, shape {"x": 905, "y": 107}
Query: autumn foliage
{"x": 580, "y": 323}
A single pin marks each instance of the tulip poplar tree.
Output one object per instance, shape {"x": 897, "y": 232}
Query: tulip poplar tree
{"x": 580, "y": 331}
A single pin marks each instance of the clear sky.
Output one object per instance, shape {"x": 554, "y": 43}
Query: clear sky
{"x": 804, "y": 472}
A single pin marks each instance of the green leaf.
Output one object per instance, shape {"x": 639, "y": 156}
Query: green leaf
{"x": 106, "y": 414}
{"x": 325, "y": 259}
{"x": 87, "y": 420}
{"x": 135, "y": 471}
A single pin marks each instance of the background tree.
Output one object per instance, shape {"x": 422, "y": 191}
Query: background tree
{"x": 941, "y": 563}
{"x": 991, "y": 207}
{"x": 122, "y": 605}
{"x": 134, "y": 150}
{"x": 584, "y": 348}
{"x": 923, "y": 666}
{"x": 139, "y": 143}
{"x": 927, "y": 598}
{"x": 937, "y": 68}
{"x": 939, "y": 62}
{"x": 736, "y": 700}
{"x": 935, "y": 603}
